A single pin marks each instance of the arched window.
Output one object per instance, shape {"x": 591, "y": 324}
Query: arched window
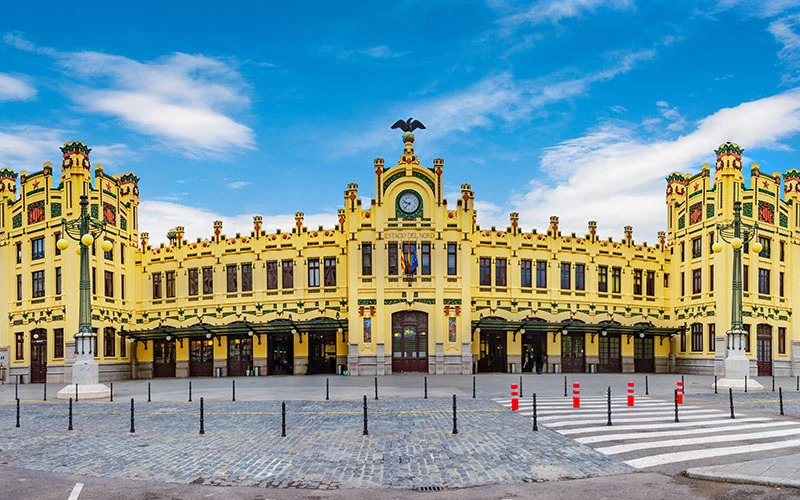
{"x": 109, "y": 342}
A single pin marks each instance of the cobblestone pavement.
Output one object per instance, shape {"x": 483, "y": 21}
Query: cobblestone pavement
{"x": 410, "y": 444}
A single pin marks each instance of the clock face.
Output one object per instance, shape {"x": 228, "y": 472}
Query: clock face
{"x": 408, "y": 202}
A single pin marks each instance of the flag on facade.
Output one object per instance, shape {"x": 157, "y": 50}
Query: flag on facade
{"x": 408, "y": 259}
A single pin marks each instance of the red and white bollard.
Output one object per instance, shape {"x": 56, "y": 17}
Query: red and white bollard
{"x": 514, "y": 397}
{"x": 680, "y": 392}
{"x": 630, "y": 393}
{"x": 576, "y": 394}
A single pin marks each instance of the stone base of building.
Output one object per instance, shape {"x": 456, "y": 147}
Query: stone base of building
{"x": 300, "y": 365}
{"x": 795, "y": 353}
{"x": 697, "y": 366}
{"x": 782, "y": 368}
{"x": 143, "y": 370}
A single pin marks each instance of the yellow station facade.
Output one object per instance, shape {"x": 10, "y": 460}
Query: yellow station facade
{"x": 405, "y": 283}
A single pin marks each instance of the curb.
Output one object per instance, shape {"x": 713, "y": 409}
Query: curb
{"x": 742, "y": 479}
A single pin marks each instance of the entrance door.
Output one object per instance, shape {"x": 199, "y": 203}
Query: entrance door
{"x": 610, "y": 360}
{"x": 281, "y": 354}
{"x": 201, "y": 358}
{"x": 240, "y": 356}
{"x": 573, "y": 353}
{"x": 493, "y": 352}
{"x": 643, "y": 355}
{"x": 321, "y": 353}
{"x": 534, "y": 352}
{"x": 163, "y": 358}
{"x": 764, "y": 349}
{"x": 410, "y": 341}
{"x": 39, "y": 356}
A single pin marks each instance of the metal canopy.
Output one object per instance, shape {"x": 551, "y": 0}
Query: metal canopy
{"x": 237, "y": 328}
{"x": 535, "y": 325}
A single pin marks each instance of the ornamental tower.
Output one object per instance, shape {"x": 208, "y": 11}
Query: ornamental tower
{"x": 76, "y": 175}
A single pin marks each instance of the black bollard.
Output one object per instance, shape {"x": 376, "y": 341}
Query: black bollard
{"x": 70, "y": 415}
{"x": 609, "y": 407}
{"x": 17, "y": 412}
{"x": 797, "y": 387}
{"x": 283, "y": 419}
{"x": 683, "y": 386}
{"x": 715, "y": 384}
{"x": 233, "y": 390}
{"x": 376, "y": 388}
{"x": 535, "y": 423}
{"x": 730, "y": 396}
{"x": 780, "y": 398}
{"x": 327, "y": 389}
{"x": 16, "y": 388}
{"x": 148, "y": 392}
{"x": 111, "y": 393}
{"x": 676, "y": 406}
{"x": 426, "y": 388}
{"x": 473, "y": 387}
{"x": 44, "y": 390}
{"x": 646, "y": 386}
{"x": 520, "y": 387}
{"x": 455, "y": 418}
{"x": 565, "y": 386}
{"x": 202, "y": 429}
{"x": 133, "y": 429}
{"x": 366, "y": 432}
{"x": 773, "y": 383}
{"x": 190, "y": 391}
{"x": 745, "y": 383}
{"x": 76, "y": 393}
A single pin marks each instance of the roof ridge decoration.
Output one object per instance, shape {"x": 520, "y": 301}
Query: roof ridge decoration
{"x": 408, "y": 127}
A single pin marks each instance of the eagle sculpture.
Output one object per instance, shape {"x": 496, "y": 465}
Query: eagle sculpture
{"x": 408, "y": 125}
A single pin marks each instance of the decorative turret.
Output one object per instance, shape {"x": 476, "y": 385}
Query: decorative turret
{"x": 467, "y": 197}
{"x": 592, "y": 236}
{"x": 729, "y": 157}
{"x": 217, "y": 230}
{"x": 175, "y": 236}
{"x": 408, "y": 156}
{"x": 342, "y": 219}
{"x": 8, "y": 183}
{"x": 629, "y": 235}
{"x": 257, "y": 221}
{"x": 662, "y": 238}
{"x": 438, "y": 169}
{"x": 298, "y": 220}
{"x": 514, "y": 217}
{"x": 553, "y": 229}
{"x": 378, "y": 164}
{"x": 351, "y": 196}
{"x": 76, "y": 155}
{"x": 145, "y": 237}
{"x": 676, "y": 187}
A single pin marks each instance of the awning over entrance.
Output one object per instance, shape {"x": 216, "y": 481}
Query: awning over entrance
{"x": 237, "y": 328}
{"x": 535, "y": 325}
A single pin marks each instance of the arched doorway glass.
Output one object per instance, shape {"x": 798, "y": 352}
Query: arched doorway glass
{"x": 409, "y": 341}
{"x": 764, "y": 349}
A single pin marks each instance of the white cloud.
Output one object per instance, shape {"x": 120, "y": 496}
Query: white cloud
{"x": 15, "y": 88}
{"x": 25, "y": 147}
{"x": 615, "y": 176}
{"x": 784, "y": 32}
{"x": 377, "y": 52}
{"x": 553, "y": 11}
{"x": 237, "y": 184}
{"x": 762, "y": 8}
{"x": 158, "y": 217}
{"x": 111, "y": 155}
{"x": 676, "y": 120}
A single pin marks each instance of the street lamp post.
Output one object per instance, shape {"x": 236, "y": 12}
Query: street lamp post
{"x": 737, "y": 233}
{"x": 84, "y": 229}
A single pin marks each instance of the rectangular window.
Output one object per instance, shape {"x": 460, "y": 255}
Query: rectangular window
{"x": 426, "y": 258}
{"x": 711, "y": 243}
{"x": 746, "y": 328}
{"x": 109, "y": 284}
{"x": 485, "y": 271}
{"x": 541, "y": 274}
{"x": 526, "y": 278}
{"x": 109, "y": 255}
{"x": 58, "y": 281}
{"x": 697, "y": 337}
{"x": 763, "y": 281}
{"x": 637, "y": 281}
{"x": 452, "y": 259}
{"x": 616, "y": 280}
{"x": 230, "y": 278}
{"x": 287, "y": 273}
{"x": 580, "y": 276}
{"x": 780, "y": 284}
{"x": 408, "y": 259}
{"x": 208, "y": 280}
{"x": 37, "y": 248}
{"x": 683, "y": 283}
{"x": 746, "y": 278}
{"x": 37, "y": 284}
{"x": 313, "y": 272}
{"x": 272, "y": 275}
{"x": 765, "y": 244}
{"x": 58, "y": 343}
{"x": 500, "y": 272}
{"x": 697, "y": 281}
{"x": 123, "y": 347}
{"x": 121, "y": 261}
{"x": 157, "y": 286}
{"x": 122, "y": 287}
{"x": 330, "y": 271}
{"x": 781, "y": 340}
{"x": 392, "y": 259}
{"x": 94, "y": 281}
{"x": 782, "y": 251}
{"x": 711, "y": 278}
{"x": 193, "y": 283}
{"x": 19, "y": 287}
{"x": 746, "y": 248}
{"x": 666, "y": 280}
{"x": 20, "y": 354}
{"x": 170, "y": 279}
{"x": 247, "y": 277}
{"x": 651, "y": 283}
{"x": 602, "y": 278}
{"x": 697, "y": 247}
{"x": 57, "y": 236}
{"x": 566, "y": 275}
{"x": 19, "y": 253}
{"x": 683, "y": 251}
{"x": 712, "y": 337}
{"x": 683, "y": 341}
{"x": 109, "y": 341}
{"x": 366, "y": 259}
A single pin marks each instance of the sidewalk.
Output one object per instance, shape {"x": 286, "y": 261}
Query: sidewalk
{"x": 776, "y": 471}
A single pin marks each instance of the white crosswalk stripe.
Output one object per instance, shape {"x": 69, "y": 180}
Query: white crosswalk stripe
{"x": 646, "y": 435}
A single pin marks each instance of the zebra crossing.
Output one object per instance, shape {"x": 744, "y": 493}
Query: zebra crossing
{"x": 647, "y": 435}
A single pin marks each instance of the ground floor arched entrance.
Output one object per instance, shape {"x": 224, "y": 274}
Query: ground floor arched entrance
{"x": 280, "y": 354}
{"x": 164, "y": 358}
{"x": 409, "y": 341}
{"x": 609, "y": 359}
{"x": 321, "y": 353}
{"x": 240, "y": 356}
{"x": 534, "y": 352}
{"x": 201, "y": 358}
{"x": 573, "y": 353}
{"x": 493, "y": 351}
{"x": 39, "y": 356}
{"x": 644, "y": 355}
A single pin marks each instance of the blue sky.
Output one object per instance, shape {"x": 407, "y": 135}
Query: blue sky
{"x": 576, "y": 108}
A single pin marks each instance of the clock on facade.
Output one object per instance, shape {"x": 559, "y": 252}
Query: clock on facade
{"x": 408, "y": 202}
